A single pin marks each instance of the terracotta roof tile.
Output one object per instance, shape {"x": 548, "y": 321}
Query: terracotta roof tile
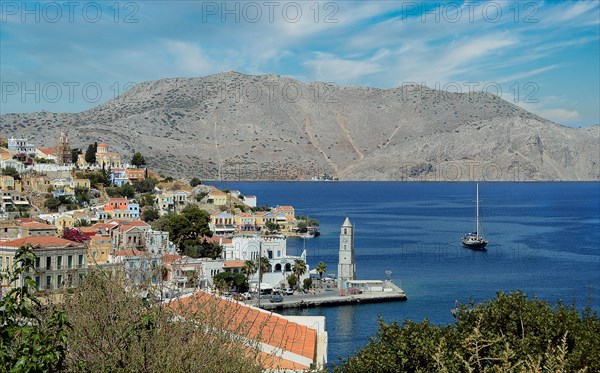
{"x": 170, "y": 258}
{"x": 233, "y": 264}
{"x": 43, "y": 241}
{"x": 36, "y": 225}
{"x": 268, "y": 328}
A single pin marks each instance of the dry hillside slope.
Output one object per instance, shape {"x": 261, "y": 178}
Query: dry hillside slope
{"x": 237, "y": 126}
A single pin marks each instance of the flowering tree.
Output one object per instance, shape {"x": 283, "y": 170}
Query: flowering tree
{"x": 74, "y": 234}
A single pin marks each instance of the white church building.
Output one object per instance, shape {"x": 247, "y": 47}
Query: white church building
{"x": 274, "y": 248}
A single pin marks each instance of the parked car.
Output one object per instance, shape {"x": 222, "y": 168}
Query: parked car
{"x": 289, "y": 291}
{"x": 247, "y": 295}
{"x": 276, "y": 298}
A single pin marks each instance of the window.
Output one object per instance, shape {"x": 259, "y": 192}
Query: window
{"x": 0, "y": 263}
{"x": 48, "y": 282}
{"x": 80, "y": 261}
{"x": 37, "y": 262}
{"x": 58, "y": 280}
{"x": 48, "y": 263}
{"x": 37, "y": 281}
{"x": 59, "y": 262}
{"x": 70, "y": 261}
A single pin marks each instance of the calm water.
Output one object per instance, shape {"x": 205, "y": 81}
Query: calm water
{"x": 544, "y": 240}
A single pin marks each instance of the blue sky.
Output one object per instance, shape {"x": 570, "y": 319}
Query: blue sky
{"x": 543, "y": 56}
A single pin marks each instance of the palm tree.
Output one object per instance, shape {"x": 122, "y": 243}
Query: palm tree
{"x": 299, "y": 268}
{"x": 263, "y": 266}
{"x": 249, "y": 269}
{"x": 321, "y": 268}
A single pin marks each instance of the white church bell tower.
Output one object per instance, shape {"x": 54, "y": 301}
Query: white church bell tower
{"x": 346, "y": 265}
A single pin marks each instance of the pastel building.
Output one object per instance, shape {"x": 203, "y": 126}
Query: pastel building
{"x": 20, "y": 146}
{"x": 118, "y": 208}
{"x": 106, "y": 159}
{"x": 58, "y": 262}
{"x": 222, "y": 224}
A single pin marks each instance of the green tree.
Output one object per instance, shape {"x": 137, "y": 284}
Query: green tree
{"x": 82, "y": 196}
{"x": 145, "y": 185}
{"x": 271, "y": 226}
{"x": 75, "y": 154}
{"x": 149, "y": 214}
{"x": 249, "y": 269}
{"x": 11, "y": 171}
{"x": 307, "y": 283}
{"x": 292, "y": 281}
{"x": 127, "y": 191}
{"x": 299, "y": 268}
{"x": 302, "y": 227}
{"x": 228, "y": 280}
{"x": 188, "y": 227}
{"x": 28, "y": 341}
{"x": 195, "y": 182}
{"x": 510, "y": 333}
{"x": 90, "y": 153}
{"x": 138, "y": 159}
{"x": 321, "y": 269}
{"x": 146, "y": 200}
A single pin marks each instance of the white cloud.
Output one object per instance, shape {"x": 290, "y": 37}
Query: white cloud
{"x": 188, "y": 57}
{"x": 330, "y": 68}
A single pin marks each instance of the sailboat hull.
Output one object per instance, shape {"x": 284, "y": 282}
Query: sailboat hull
{"x": 474, "y": 243}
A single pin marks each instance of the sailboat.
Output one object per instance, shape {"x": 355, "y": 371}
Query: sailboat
{"x": 474, "y": 240}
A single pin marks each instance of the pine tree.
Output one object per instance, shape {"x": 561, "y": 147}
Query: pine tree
{"x": 90, "y": 153}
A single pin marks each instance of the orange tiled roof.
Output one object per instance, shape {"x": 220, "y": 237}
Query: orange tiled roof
{"x": 92, "y": 229}
{"x": 47, "y": 151}
{"x": 216, "y": 239}
{"x": 233, "y": 264}
{"x": 106, "y": 226}
{"x": 256, "y": 324}
{"x": 37, "y": 225}
{"x": 43, "y": 241}
{"x": 244, "y": 215}
{"x": 285, "y": 208}
{"x": 170, "y": 258}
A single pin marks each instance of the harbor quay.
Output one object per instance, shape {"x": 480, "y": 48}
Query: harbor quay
{"x": 334, "y": 297}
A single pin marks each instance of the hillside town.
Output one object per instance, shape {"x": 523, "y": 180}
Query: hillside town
{"x": 82, "y": 210}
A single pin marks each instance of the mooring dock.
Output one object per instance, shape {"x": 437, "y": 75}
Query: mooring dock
{"x": 334, "y": 298}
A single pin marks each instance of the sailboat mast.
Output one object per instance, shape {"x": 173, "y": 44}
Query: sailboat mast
{"x": 477, "y": 214}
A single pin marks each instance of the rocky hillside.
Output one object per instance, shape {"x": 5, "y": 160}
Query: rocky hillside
{"x": 237, "y": 126}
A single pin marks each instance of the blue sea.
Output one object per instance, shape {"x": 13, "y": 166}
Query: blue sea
{"x": 544, "y": 240}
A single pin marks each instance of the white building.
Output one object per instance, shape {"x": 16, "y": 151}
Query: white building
{"x": 21, "y": 146}
{"x": 273, "y": 248}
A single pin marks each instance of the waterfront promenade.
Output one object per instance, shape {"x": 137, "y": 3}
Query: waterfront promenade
{"x": 332, "y": 297}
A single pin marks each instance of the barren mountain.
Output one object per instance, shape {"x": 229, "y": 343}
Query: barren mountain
{"x": 237, "y": 126}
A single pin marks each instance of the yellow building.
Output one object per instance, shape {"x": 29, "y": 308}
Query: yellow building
{"x": 38, "y": 184}
{"x": 80, "y": 183}
{"x": 9, "y": 183}
{"x": 64, "y": 221}
{"x": 106, "y": 159}
{"x": 99, "y": 248}
{"x": 217, "y": 197}
{"x": 287, "y": 211}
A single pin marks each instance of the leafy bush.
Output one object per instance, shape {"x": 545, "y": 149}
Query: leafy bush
{"x": 509, "y": 333}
